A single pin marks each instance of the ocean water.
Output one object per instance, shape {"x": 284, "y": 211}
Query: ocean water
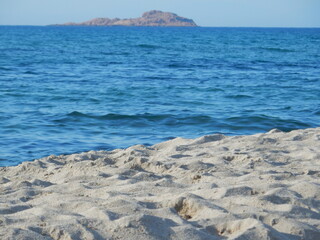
{"x": 72, "y": 89}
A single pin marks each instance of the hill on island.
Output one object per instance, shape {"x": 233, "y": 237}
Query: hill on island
{"x": 151, "y": 18}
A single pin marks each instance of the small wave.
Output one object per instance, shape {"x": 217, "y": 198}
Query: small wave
{"x": 277, "y": 49}
{"x": 158, "y": 78}
{"x": 148, "y": 46}
{"x": 263, "y": 121}
{"x": 71, "y": 62}
{"x": 5, "y": 69}
{"x": 176, "y": 121}
{"x": 115, "y": 53}
{"x": 30, "y": 72}
{"x": 25, "y": 64}
{"x": 113, "y": 116}
{"x": 317, "y": 113}
{"x": 185, "y": 65}
{"x": 141, "y": 119}
{"x": 175, "y": 65}
{"x": 110, "y": 63}
{"x": 18, "y": 49}
{"x": 238, "y": 96}
{"x": 215, "y": 89}
{"x": 260, "y": 61}
{"x": 243, "y": 67}
{"x": 181, "y": 65}
{"x": 95, "y": 100}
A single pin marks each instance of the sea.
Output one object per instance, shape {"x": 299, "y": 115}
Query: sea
{"x": 70, "y": 89}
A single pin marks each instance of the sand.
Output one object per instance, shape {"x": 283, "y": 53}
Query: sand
{"x": 264, "y": 186}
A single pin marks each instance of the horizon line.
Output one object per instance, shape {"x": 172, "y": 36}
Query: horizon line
{"x": 57, "y": 25}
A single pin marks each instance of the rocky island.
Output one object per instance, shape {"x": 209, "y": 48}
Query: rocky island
{"x": 152, "y": 18}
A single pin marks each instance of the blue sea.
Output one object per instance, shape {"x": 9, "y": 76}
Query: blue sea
{"x": 71, "y": 89}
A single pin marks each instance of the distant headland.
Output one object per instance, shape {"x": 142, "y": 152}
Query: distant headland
{"x": 152, "y": 18}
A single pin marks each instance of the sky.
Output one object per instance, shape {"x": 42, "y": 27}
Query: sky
{"x": 214, "y": 13}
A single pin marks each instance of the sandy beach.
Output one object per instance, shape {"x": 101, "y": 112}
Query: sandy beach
{"x": 263, "y": 186}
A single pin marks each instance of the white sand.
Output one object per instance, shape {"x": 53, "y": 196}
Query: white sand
{"x": 265, "y": 186}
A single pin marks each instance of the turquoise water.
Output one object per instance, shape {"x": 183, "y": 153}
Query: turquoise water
{"x": 72, "y": 89}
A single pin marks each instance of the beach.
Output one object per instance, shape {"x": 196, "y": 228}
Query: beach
{"x": 159, "y": 121}
{"x": 261, "y": 186}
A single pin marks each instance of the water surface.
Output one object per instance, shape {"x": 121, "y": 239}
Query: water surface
{"x": 73, "y": 89}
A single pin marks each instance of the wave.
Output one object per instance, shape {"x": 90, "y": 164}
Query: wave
{"x": 243, "y": 67}
{"x": 214, "y": 89}
{"x": 148, "y": 46}
{"x": 252, "y": 122}
{"x": 238, "y": 96}
{"x": 176, "y": 65}
{"x": 158, "y": 78}
{"x": 113, "y": 116}
{"x": 273, "y": 49}
{"x": 165, "y": 119}
{"x": 261, "y": 61}
{"x": 317, "y": 113}
{"x": 6, "y": 69}
{"x": 115, "y": 53}
{"x": 185, "y": 65}
{"x": 18, "y": 49}
{"x": 31, "y": 73}
{"x": 111, "y": 63}
{"x": 264, "y": 122}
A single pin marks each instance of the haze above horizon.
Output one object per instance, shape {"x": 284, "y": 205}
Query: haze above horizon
{"x": 206, "y": 13}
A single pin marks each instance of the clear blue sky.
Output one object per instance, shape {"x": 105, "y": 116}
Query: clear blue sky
{"x": 241, "y": 13}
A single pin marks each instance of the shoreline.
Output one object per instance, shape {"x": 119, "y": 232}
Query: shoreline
{"x": 265, "y": 185}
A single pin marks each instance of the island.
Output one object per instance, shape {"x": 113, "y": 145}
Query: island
{"x": 152, "y": 18}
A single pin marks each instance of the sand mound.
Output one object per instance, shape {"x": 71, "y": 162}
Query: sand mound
{"x": 264, "y": 186}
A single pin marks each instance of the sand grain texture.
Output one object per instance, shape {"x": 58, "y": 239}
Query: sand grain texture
{"x": 264, "y": 186}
